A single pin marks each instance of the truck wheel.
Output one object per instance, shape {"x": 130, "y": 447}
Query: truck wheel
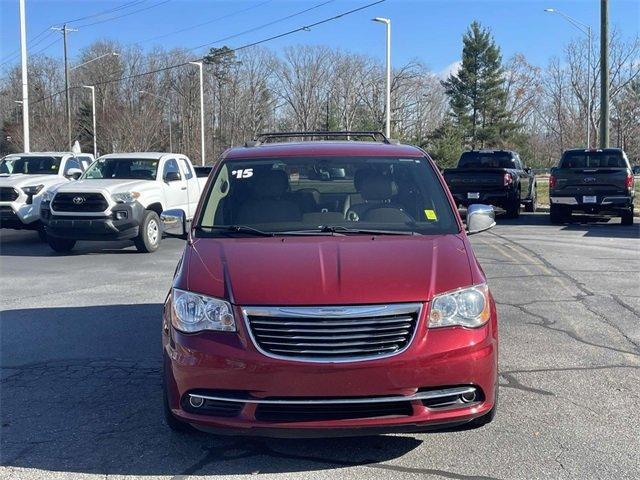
{"x": 61, "y": 245}
{"x": 42, "y": 233}
{"x": 557, "y": 214}
{"x": 627, "y": 217}
{"x": 148, "y": 240}
{"x": 533, "y": 204}
{"x": 513, "y": 209}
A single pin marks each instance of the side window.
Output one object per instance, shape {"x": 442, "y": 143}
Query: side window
{"x": 518, "y": 162}
{"x": 171, "y": 171}
{"x": 188, "y": 173}
{"x": 71, "y": 163}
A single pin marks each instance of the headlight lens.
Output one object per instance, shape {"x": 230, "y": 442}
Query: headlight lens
{"x": 468, "y": 307}
{"x": 125, "y": 197}
{"x": 193, "y": 313}
{"x": 33, "y": 189}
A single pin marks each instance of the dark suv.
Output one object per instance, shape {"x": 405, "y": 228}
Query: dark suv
{"x": 593, "y": 182}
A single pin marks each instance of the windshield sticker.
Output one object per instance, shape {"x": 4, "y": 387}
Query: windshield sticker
{"x": 431, "y": 215}
{"x": 243, "y": 173}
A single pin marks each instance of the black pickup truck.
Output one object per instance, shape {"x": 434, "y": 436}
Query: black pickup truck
{"x": 493, "y": 177}
{"x": 592, "y": 182}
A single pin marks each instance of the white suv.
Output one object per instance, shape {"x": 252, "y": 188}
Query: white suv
{"x": 121, "y": 197}
{"x": 24, "y": 177}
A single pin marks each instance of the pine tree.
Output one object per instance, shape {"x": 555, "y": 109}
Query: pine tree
{"x": 477, "y": 94}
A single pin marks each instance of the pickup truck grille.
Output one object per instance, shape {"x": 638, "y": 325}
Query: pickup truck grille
{"x": 326, "y": 334}
{"x": 79, "y": 202}
{"x": 8, "y": 194}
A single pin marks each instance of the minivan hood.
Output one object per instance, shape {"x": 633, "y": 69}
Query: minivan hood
{"x": 349, "y": 270}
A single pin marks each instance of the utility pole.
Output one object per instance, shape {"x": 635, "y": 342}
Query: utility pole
{"x": 25, "y": 81}
{"x": 604, "y": 73}
{"x": 64, "y": 30}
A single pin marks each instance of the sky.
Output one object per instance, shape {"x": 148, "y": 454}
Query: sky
{"x": 426, "y": 30}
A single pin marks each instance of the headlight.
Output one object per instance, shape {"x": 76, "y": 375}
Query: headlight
{"x": 33, "y": 189}
{"x": 467, "y": 307}
{"x": 125, "y": 197}
{"x": 47, "y": 196}
{"x": 192, "y": 312}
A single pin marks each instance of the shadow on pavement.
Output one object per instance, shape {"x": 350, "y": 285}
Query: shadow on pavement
{"x": 81, "y": 392}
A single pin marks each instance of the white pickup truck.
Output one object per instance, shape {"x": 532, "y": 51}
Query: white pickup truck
{"x": 24, "y": 177}
{"x": 121, "y": 197}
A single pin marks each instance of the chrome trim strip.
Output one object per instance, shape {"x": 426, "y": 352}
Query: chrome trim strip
{"x": 445, "y": 392}
{"x": 334, "y": 312}
{"x": 614, "y": 199}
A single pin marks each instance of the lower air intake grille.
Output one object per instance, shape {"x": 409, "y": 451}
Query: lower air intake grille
{"x": 311, "y": 413}
{"x": 333, "y": 333}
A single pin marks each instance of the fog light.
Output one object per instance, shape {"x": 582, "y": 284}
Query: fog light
{"x": 121, "y": 215}
{"x": 196, "y": 402}
{"x": 468, "y": 397}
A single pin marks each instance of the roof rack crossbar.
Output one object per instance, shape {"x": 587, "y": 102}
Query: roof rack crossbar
{"x": 267, "y": 137}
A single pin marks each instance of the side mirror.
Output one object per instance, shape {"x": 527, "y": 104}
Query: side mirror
{"x": 480, "y": 218}
{"x": 174, "y": 223}
{"x": 172, "y": 177}
{"x": 73, "y": 173}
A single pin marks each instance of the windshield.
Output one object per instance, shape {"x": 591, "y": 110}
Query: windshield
{"x": 30, "y": 165}
{"x": 486, "y": 160}
{"x": 593, "y": 160}
{"x": 298, "y": 195}
{"x": 123, "y": 168}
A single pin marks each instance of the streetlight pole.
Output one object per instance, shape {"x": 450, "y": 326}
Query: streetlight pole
{"x": 93, "y": 112}
{"x": 64, "y": 30}
{"x": 387, "y": 128}
{"x": 200, "y": 66}
{"x": 115, "y": 54}
{"x": 25, "y": 80}
{"x": 168, "y": 103}
{"x": 586, "y": 29}
{"x": 604, "y": 74}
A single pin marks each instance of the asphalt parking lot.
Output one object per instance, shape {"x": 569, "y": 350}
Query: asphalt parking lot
{"x": 81, "y": 393}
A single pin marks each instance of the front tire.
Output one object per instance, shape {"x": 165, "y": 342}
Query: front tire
{"x": 148, "y": 240}
{"x": 42, "y": 234}
{"x": 61, "y": 245}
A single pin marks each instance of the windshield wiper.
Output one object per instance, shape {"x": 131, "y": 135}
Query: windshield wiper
{"x": 364, "y": 231}
{"x": 235, "y": 229}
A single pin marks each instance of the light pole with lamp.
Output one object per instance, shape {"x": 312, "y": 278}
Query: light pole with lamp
{"x": 167, "y": 102}
{"x": 586, "y": 29}
{"x": 114, "y": 54}
{"x": 93, "y": 115}
{"x": 387, "y": 128}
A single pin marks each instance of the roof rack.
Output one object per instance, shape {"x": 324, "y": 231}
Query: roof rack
{"x": 269, "y": 137}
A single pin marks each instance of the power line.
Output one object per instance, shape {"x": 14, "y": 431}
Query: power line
{"x": 149, "y": 7}
{"x": 208, "y": 22}
{"x": 260, "y": 27}
{"x": 242, "y": 47}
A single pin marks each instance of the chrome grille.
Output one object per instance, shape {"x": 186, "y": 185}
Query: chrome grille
{"x": 8, "y": 194}
{"x": 326, "y": 334}
{"x": 79, "y": 202}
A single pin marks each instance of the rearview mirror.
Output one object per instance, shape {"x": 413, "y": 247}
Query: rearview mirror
{"x": 73, "y": 173}
{"x": 172, "y": 176}
{"x": 174, "y": 223}
{"x": 480, "y": 218}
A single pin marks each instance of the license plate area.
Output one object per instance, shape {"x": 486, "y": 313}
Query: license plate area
{"x": 473, "y": 195}
{"x": 588, "y": 199}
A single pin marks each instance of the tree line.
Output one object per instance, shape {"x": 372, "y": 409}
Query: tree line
{"x": 488, "y": 102}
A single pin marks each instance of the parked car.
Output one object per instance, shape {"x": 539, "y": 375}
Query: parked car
{"x": 24, "y": 177}
{"x": 593, "y": 182}
{"x": 493, "y": 177}
{"x": 202, "y": 171}
{"x": 328, "y": 288}
{"x": 120, "y": 197}
{"x": 636, "y": 170}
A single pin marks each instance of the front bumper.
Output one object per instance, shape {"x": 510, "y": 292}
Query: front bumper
{"x": 19, "y": 215}
{"x": 228, "y": 365}
{"x": 123, "y": 223}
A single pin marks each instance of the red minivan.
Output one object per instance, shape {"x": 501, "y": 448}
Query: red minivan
{"x": 328, "y": 288}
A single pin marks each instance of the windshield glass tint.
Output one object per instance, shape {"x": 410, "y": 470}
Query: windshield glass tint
{"x": 486, "y": 160}
{"x": 125, "y": 168}
{"x": 293, "y": 194}
{"x": 593, "y": 160}
{"x": 45, "y": 165}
